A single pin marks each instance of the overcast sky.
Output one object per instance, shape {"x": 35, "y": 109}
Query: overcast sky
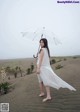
{"x": 18, "y": 16}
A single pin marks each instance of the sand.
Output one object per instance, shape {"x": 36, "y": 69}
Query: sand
{"x": 24, "y": 97}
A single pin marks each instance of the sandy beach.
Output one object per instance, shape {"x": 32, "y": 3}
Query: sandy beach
{"x": 24, "y": 97}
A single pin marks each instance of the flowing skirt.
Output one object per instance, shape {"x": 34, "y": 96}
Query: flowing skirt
{"x": 49, "y": 78}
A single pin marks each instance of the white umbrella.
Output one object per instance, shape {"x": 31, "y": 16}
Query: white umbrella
{"x": 42, "y": 33}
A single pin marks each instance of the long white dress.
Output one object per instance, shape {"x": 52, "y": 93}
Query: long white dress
{"x": 47, "y": 75}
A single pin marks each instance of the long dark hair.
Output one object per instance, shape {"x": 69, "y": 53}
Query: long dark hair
{"x": 45, "y": 45}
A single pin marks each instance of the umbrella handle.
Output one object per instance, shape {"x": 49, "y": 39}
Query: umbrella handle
{"x": 37, "y": 53}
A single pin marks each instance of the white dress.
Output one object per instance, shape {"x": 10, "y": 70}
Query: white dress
{"x": 47, "y": 75}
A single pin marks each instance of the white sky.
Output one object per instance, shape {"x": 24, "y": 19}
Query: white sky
{"x": 18, "y": 16}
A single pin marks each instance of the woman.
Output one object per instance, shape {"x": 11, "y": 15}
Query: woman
{"x": 46, "y": 75}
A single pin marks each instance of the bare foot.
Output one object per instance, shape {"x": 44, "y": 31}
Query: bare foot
{"x": 42, "y": 94}
{"x": 46, "y": 99}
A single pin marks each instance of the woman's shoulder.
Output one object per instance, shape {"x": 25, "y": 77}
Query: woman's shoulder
{"x": 42, "y": 50}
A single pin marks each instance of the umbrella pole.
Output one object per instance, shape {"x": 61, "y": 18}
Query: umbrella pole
{"x": 39, "y": 46}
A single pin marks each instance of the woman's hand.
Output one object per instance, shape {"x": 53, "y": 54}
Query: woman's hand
{"x": 38, "y": 71}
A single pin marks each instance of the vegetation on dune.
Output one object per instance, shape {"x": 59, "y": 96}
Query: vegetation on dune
{"x": 13, "y": 71}
{"x": 30, "y": 69}
{"x": 58, "y": 66}
{"x": 74, "y": 57}
{"x": 53, "y": 61}
{"x": 6, "y": 72}
{"x": 65, "y": 59}
{"x": 4, "y": 88}
{"x": 18, "y": 70}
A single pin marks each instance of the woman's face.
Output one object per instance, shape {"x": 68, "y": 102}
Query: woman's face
{"x": 41, "y": 43}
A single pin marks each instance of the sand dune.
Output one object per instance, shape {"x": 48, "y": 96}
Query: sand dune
{"x": 24, "y": 98}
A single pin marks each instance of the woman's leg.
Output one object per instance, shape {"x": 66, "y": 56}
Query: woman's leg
{"x": 48, "y": 94}
{"x": 41, "y": 88}
{"x": 48, "y": 91}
